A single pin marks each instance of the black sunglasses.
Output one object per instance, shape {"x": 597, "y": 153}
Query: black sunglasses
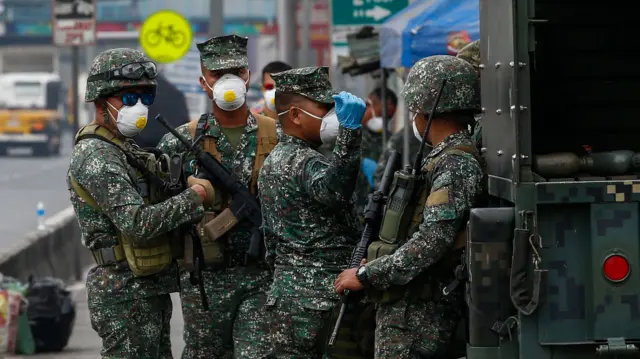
{"x": 131, "y": 98}
{"x": 132, "y": 71}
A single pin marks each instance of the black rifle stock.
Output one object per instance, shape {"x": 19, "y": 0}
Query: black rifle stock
{"x": 372, "y": 218}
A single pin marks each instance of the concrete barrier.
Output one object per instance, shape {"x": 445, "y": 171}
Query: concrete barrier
{"x": 56, "y": 251}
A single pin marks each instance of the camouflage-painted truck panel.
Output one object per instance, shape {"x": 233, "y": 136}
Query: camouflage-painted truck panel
{"x": 581, "y": 225}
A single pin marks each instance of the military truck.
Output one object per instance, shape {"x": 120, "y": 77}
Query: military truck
{"x": 553, "y": 262}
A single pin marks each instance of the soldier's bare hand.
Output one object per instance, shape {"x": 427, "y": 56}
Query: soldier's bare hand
{"x": 347, "y": 280}
{"x": 203, "y": 184}
{"x": 200, "y": 191}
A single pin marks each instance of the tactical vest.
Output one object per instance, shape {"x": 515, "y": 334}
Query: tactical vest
{"x": 392, "y": 231}
{"x": 212, "y": 247}
{"x": 145, "y": 259}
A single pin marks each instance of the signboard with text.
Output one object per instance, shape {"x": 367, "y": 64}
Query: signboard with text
{"x": 349, "y": 16}
{"x": 74, "y": 22}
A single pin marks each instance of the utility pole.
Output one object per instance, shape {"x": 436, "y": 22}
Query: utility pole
{"x": 75, "y": 78}
{"x": 305, "y": 33}
{"x": 216, "y": 18}
{"x": 216, "y": 27}
{"x": 287, "y": 31}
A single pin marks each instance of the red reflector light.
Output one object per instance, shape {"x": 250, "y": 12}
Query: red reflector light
{"x": 616, "y": 268}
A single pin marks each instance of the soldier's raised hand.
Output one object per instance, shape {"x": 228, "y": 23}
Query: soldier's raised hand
{"x": 349, "y": 110}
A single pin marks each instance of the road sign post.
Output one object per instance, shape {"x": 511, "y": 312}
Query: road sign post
{"x": 348, "y": 16}
{"x": 74, "y": 24}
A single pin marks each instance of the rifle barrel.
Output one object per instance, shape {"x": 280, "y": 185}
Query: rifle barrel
{"x": 172, "y": 130}
{"x": 373, "y": 216}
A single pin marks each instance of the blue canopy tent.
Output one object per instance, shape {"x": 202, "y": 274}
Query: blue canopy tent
{"x": 428, "y": 27}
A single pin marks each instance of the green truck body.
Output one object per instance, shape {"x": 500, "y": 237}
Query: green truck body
{"x": 554, "y": 262}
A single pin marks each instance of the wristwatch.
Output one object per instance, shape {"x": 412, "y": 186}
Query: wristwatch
{"x": 361, "y": 275}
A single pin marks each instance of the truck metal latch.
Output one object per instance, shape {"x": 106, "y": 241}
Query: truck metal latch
{"x": 617, "y": 347}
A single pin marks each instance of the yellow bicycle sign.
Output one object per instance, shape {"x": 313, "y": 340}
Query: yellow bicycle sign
{"x": 166, "y": 36}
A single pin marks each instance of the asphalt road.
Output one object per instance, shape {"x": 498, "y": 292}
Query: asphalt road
{"x": 26, "y": 180}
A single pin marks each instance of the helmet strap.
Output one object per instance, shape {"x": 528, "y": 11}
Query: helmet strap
{"x": 105, "y": 114}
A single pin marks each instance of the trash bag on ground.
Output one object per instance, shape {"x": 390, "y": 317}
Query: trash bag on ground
{"x": 51, "y": 313}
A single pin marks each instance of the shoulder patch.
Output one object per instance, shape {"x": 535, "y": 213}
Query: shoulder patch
{"x": 438, "y": 197}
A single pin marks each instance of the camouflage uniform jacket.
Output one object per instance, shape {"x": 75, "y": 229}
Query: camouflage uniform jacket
{"x": 396, "y": 143}
{"x": 238, "y": 161}
{"x": 102, "y": 170}
{"x": 310, "y": 229}
{"x": 459, "y": 176}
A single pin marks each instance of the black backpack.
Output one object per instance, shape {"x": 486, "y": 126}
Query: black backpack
{"x": 51, "y": 313}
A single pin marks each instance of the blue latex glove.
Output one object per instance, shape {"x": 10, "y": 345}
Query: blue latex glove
{"x": 368, "y": 169}
{"x": 349, "y": 110}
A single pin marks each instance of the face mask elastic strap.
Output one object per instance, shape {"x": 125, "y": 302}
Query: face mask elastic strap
{"x": 109, "y": 112}
{"x": 312, "y": 115}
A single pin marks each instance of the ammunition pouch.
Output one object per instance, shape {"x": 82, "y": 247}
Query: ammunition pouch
{"x": 220, "y": 220}
{"x": 148, "y": 260}
{"x": 213, "y": 245}
{"x": 159, "y": 253}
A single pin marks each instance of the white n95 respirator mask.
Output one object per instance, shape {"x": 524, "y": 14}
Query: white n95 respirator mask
{"x": 270, "y": 99}
{"x": 131, "y": 119}
{"x": 229, "y": 92}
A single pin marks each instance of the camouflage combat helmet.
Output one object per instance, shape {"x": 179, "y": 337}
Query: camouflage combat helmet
{"x": 471, "y": 54}
{"x": 461, "y": 93}
{"x": 111, "y": 60}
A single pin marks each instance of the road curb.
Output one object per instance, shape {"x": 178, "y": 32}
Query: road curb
{"x": 56, "y": 251}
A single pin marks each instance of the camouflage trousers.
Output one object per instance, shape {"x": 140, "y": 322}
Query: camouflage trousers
{"x": 299, "y": 326}
{"x": 416, "y": 328}
{"x": 134, "y": 329}
{"x": 235, "y": 325}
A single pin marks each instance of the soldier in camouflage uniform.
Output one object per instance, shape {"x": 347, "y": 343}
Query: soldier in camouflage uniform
{"x": 310, "y": 229}
{"x": 130, "y": 313}
{"x": 236, "y": 287}
{"x": 414, "y": 319}
{"x": 471, "y": 54}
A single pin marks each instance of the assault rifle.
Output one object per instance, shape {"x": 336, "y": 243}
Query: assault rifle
{"x": 372, "y": 218}
{"x": 244, "y": 205}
